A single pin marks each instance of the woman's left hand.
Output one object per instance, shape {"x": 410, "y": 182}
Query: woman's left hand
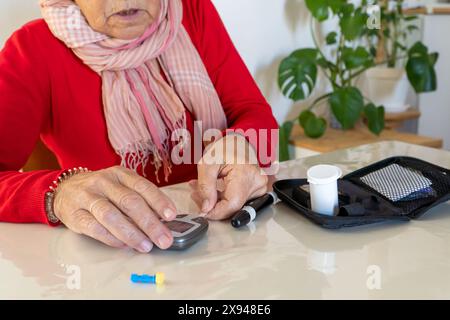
{"x": 228, "y": 176}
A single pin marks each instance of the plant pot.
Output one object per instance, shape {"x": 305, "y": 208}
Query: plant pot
{"x": 388, "y": 87}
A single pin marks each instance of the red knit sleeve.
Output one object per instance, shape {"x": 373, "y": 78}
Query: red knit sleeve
{"x": 246, "y": 109}
{"x": 24, "y": 108}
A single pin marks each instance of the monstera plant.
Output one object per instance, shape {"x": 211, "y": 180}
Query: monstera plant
{"x": 353, "y": 54}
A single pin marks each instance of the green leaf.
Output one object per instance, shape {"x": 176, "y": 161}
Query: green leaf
{"x": 324, "y": 63}
{"x": 421, "y": 74}
{"x": 318, "y": 8}
{"x": 420, "y": 68}
{"x": 411, "y": 18}
{"x": 314, "y": 127}
{"x": 400, "y": 46}
{"x": 355, "y": 58}
{"x": 284, "y": 136}
{"x": 433, "y": 57}
{"x": 331, "y": 38}
{"x": 390, "y": 17}
{"x": 418, "y": 49}
{"x": 375, "y": 117}
{"x": 336, "y": 5}
{"x": 373, "y": 32}
{"x": 347, "y": 9}
{"x": 297, "y": 74}
{"x": 353, "y": 23}
{"x": 412, "y": 28}
{"x": 347, "y": 105}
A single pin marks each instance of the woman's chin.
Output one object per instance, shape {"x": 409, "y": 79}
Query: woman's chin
{"x": 128, "y": 33}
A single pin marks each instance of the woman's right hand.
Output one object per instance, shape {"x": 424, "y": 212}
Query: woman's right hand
{"x": 117, "y": 207}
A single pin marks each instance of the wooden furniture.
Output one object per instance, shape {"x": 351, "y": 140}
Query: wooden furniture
{"x": 339, "y": 139}
{"x": 437, "y": 10}
{"x": 396, "y": 120}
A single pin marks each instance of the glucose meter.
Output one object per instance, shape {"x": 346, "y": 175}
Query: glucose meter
{"x": 186, "y": 230}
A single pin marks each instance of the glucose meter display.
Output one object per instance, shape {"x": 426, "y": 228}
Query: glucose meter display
{"x": 179, "y": 226}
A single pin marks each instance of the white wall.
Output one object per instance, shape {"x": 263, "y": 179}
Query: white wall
{"x": 264, "y": 31}
{"x": 435, "y": 107}
{"x": 14, "y": 13}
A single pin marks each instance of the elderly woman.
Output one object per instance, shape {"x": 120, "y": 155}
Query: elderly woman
{"x": 105, "y": 84}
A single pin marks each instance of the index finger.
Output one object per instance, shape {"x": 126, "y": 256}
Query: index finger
{"x": 232, "y": 201}
{"x": 155, "y": 198}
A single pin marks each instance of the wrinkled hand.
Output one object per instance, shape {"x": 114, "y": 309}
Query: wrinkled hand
{"x": 117, "y": 207}
{"x": 228, "y": 176}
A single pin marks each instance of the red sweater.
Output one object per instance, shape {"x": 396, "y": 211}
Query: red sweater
{"x": 47, "y": 92}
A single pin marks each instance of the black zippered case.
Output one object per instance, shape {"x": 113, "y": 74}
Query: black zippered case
{"x": 398, "y": 188}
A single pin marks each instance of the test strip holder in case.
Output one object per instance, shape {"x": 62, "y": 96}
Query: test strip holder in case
{"x": 398, "y": 188}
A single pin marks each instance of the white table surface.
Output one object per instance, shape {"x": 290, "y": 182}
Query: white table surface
{"x": 282, "y": 256}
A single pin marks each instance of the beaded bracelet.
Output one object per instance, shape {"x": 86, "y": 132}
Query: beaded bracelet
{"x": 50, "y": 195}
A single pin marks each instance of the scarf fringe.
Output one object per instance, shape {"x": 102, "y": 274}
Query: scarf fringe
{"x": 138, "y": 154}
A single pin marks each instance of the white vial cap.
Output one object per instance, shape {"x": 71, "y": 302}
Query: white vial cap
{"x": 323, "y": 174}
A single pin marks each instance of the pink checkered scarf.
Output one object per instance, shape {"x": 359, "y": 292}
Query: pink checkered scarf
{"x": 142, "y": 108}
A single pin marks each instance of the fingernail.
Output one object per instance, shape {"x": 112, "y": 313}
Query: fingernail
{"x": 205, "y": 206}
{"x": 146, "y": 246}
{"x": 164, "y": 241}
{"x": 169, "y": 214}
